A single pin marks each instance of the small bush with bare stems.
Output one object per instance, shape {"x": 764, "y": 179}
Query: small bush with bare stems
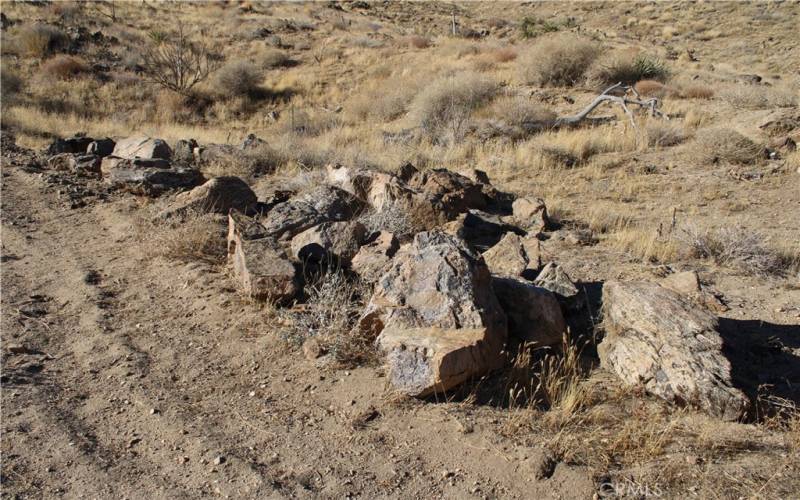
{"x": 560, "y": 60}
{"x": 725, "y": 145}
{"x": 516, "y": 117}
{"x": 735, "y": 248}
{"x": 63, "y": 67}
{"x": 10, "y": 83}
{"x": 443, "y": 108}
{"x": 335, "y": 300}
{"x": 237, "y": 79}
{"x": 177, "y": 63}
{"x": 274, "y": 58}
{"x": 502, "y": 54}
{"x": 392, "y": 217}
{"x": 40, "y": 40}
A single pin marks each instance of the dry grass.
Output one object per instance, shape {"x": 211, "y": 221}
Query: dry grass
{"x": 739, "y": 249}
{"x": 651, "y": 88}
{"x": 724, "y": 145}
{"x": 443, "y": 108}
{"x": 743, "y": 96}
{"x": 10, "y": 83}
{"x": 559, "y": 60}
{"x": 516, "y": 117}
{"x": 645, "y": 244}
{"x": 696, "y": 91}
{"x": 415, "y": 41}
{"x": 391, "y": 217}
{"x": 237, "y": 79}
{"x": 193, "y": 237}
{"x": 335, "y": 300}
{"x": 664, "y": 134}
{"x": 39, "y": 40}
{"x": 62, "y": 67}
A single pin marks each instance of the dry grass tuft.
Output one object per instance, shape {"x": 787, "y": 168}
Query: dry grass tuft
{"x": 335, "y": 300}
{"x": 392, "y": 218}
{"x": 737, "y": 248}
{"x": 743, "y": 96}
{"x": 238, "y": 79}
{"x": 560, "y": 60}
{"x": 10, "y": 83}
{"x": 660, "y": 134}
{"x": 64, "y": 67}
{"x": 651, "y": 88}
{"x": 696, "y": 91}
{"x": 502, "y": 54}
{"x": 415, "y": 41}
{"x": 40, "y": 40}
{"x": 195, "y": 236}
{"x": 725, "y": 145}
{"x": 274, "y": 58}
{"x": 443, "y": 108}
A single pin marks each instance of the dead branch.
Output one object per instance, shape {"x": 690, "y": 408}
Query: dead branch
{"x": 650, "y": 104}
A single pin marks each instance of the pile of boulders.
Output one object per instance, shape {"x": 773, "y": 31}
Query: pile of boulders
{"x": 448, "y": 296}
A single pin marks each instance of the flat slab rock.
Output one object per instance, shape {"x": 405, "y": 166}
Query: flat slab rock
{"x": 152, "y": 181}
{"x": 425, "y": 361}
{"x": 304, "y": 211}
{"x": 142, "y": 147}
{"x": 673, "y": 348}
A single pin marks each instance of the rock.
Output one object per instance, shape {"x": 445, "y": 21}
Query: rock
{"x": 151, "y": 181}
{"x": 425, "y": 361}
{"x": 62, "y": 161}
{"x": 749, "y": 79}
{"x": 252, "y": 142}
{"x": 534, "y": 314}
{"x": 101, "y": 147}
{"x": 184, "y": 151}
{"x": 142, "y": 147}
{"x": 687, "y": 284}
{"x": 263, "y": 271}
{"x": 656, "y": 338}
{"x": 480, "y": 229}
{"x": 374, "y": 256}
{"x": 780, "y": 123}
{"x": 220, "y": 195}
{"x": 533, "y": 249}
{"x": 116, "y": 163}
{"x": 74, "y": 145}
{"x": 555, "y": 279}
{"x": 87, "y": 165}
{"x": 452, "y": 192}
{"x": 531, "y": 214}
{"x": 335, "y": 240}
{"x": 242, "y": 228}
{"x": 322, "y": 204}
{"x": 312, "y": 349}
{"x": 578, "y": 237}
{"x": 507, "y": 257}
{"x": 438, "y": 318}
{"x": 406, "y": 172}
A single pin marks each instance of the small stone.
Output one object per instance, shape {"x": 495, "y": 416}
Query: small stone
{"x": 219, "y": 460}
{"x": 154, "y": 411}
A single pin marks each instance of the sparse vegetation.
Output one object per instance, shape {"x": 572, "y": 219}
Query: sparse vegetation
{"x": 736, "y": 248}
{"x": 238, "y": 79}
{"x": 725, "y": 145}
{"x": 40, "y": 40}
{"x": 63, "y": 67}
{"x": 194, "y": 237}
{"x": 560, "y": 60}
{"x": 177, "y": 63}
{"x": 628, "y": 68}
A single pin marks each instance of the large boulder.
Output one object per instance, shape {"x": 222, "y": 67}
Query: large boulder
{"x": 306, "y": 210}
{"x": 263, "y": 271}
{"x": 425, "y": 361}
{"x": 452, "y": 192}
{"x": 480, "y": 229}
{"x": 150, "y": 181}
{"x": 374, "y": 256}
{"x": 75, "y": 145}
{"x": 142, "y": 147}
{"x": 101, "y": 147}
{"x": 337, "y": 241}
{"x": 436, "y": 283}
{"x": 534, "y": 314}
{"x": 656, "y": 338}
{"x": 220, "y": 195}
{"x": 553, "y": 277}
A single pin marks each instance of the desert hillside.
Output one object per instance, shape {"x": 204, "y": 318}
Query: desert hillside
{"x": 400, "y": 249}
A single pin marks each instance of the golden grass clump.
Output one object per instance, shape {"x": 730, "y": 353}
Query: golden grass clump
{"x": 744, "y": 96}
{"x": 651, "y": 88}
{"x": 194, "y": 237}
{"x": 237, "y": 79}
{"x": 661, "y": 134}
{"x": 560, "y": 60}
{"x": 39, "y": 40}
{"x": 63, "y": 67}
{"x": 724, "y": 145}
{"x": 696, "y": 91}
{"x": 415, "y": 41}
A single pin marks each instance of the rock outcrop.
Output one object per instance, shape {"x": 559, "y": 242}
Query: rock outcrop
{"x": 142, "y": 147}
{"x": 304, "y": 211}
{"x": 374, "y": 256}
{"x": 658, "y": 339}
{"x": 218, "y": 195}
{"x": 330, "y": 241}
{"x": 534, "y": 314}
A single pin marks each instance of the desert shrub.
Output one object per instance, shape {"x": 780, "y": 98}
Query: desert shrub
{"x": 734, "y": 247}
{"x": 651, "y": 88}
{"x": 516, "y": 117}
{"x": 274, "y": 58}
{"x": 63, "y": 67}
{"x": 415, "y": 41}
{"x": 10, "y": 83}
{"x": 757, "y": 97}
{"x": 502, "y": 54}
{"x": 392, "y": 218}
{"x": 628, "y": 68}
{"x": 445, "y": 105}
{"x": 664, "y": 134}
{"x": 365, "y": 42}
{"x": 40, "y": 40}
{"x": 559, "y": 61}
{"x": 725, "y": 145}
{"x": 177, "y": 63}
{"x": 335, "y": 301}
{"x": 696, "y": 91}
{"x": 302, "y": 122}
{"x": 195, "y": 236}
{"x": 237, "y": 79}
{"x": 531, "y": 27}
